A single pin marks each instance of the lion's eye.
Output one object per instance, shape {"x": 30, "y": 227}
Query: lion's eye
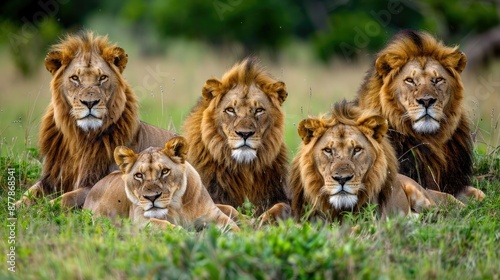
{"x": 165, "y": 171}
{"x": 259, "y": 110}
{"x": 102, "y": 78}
{"x": 327, "y": 151}
{"x": 409, "y": 81}
{"x": 229, "y": 110}
{"x": 138, "y": 175}
{"x": 438, "y": 79}
{"x": 357, "y": 150}
{"x": 74, "y": 78}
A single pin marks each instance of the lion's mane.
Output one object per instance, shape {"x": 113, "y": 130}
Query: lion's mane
{"x": 441, "y": 160}
{"x": 74, "y": 158}
{"x": 306, "y": 181}
{"x": 263, "y": 181}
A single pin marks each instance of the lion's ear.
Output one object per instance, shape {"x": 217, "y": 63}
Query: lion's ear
{"x": 176, "y": 148}
{"x": 124, "y": 157}
{"x": 387, "y": 62}
{"x": 376, "y": 127}
{"x": 309, "y": 128}
{"x": 53, "y": 61}
{"x": 211, "y": 85}
{"x": 280, "y": 89}
{"x": 457, "y": 61}
{"x": 116, "y": 56}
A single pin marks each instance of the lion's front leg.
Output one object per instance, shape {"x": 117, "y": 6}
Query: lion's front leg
{"x": 224, "y": 217}
{"x": 34, "y": 192}
{"x": 421, "y": 198}
{"x": 161, "y": 224}
{"x": 279, "y": 211}
{"x": 417, "y": 195}
{"x": 443, "y": 199}
{"x": 72, "y": 199}
{"x": 230, "y": 211}
{"x": 470, "y": 192}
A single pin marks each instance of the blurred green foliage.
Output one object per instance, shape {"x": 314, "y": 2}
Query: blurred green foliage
{"x": 29, "y": 27}
{"x": 345, "y": 28}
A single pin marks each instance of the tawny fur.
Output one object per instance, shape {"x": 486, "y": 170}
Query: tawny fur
{"x": 182, "y": 199}
{"x": 75, "y": 159}
{"x": 263, "y": 180}
{"x": 380, "y": 180}
{"x": 441, "y": 160}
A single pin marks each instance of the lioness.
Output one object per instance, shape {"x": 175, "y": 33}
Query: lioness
{"x": 157, "y": 185}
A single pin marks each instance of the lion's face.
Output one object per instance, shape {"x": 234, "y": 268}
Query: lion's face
{"x": 343, "y": 157}
{"x": 244, "y": 119}
{"x": 87, "y": 88}
{"x": 422, "y": 88}
{"x": 417, "y": 86}
{"x": 87, "y": 84}
{"x": 343, "y": 162}
{"x": 155, "y": 179}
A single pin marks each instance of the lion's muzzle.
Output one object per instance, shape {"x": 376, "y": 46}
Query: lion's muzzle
{"x": 245, "y": 134}
{"x": 88, "y": 108}
{"x": 342, "y": 179}
{"x": 152, "y": 198}
{"x": 426, "y": 101}
{"x": 244, "y": 146}
{"x": 90, "y": 103}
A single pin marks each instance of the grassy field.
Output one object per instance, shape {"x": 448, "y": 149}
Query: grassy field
{"x": 53, "y": 244}
{"x": 454, "y": 243}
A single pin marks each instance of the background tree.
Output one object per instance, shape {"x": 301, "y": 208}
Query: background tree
{"x": 345, "y": 28}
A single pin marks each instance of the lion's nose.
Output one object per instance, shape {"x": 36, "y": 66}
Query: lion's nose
{"x": 152, "y": 198}
{"x": 245, "y": 134}
{"x": 342, "y": 179}
{"x": 426, "y": 101}
{"x": 90, "y": 103}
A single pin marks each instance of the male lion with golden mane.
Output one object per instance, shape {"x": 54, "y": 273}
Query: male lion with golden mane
{"x": 235, "y": 133}
{"x": 92, "y": 111}
{"x": 415, "y": 84}
{"x": 159, "y": 186}
{"x": 345, "y": 162}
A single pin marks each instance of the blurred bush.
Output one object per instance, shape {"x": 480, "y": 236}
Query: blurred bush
{"x": 345, "y": 28}
{"x": 29, "y": 27}
{"x": 252, "y": 23}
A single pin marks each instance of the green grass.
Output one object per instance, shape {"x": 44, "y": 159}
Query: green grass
{"x": 450, "y": 244}
{"x": 54, "y": 244}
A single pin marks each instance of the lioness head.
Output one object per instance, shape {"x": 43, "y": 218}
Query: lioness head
{"x": 422, "y": 84}
{"x": 246, "y": 110}
{"x": 87, "y": 73}
{"x": 344, "y": 161}
{"x": 155, "y": 179}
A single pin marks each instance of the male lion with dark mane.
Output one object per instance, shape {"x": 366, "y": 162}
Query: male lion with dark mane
{"x": 92, "y": 111}
{"x": 235, "y": 133}
{"x": 345, "y": 162}
{"x": 415, "y": 84}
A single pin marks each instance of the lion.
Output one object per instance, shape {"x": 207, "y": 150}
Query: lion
{"x": 415, "y": 84}
{"x": 92, "y": 111}
{"x": 159, "y": 186}
{"x": 345, "y": 162}
{"x": 235, "y": 133}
